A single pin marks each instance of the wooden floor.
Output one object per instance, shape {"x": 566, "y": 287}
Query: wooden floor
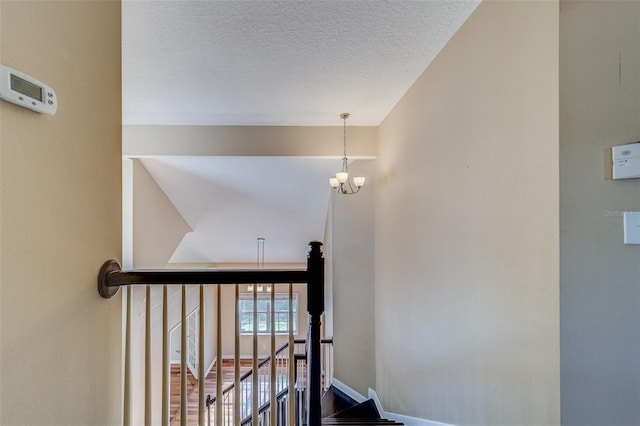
{"x": 192, "y": 389}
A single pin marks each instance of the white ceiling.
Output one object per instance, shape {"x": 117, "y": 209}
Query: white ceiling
{"x": 231, "y": 201}
{"x": 261, "y": 62}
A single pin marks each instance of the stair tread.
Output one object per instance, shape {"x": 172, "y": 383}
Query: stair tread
{"x": 363, "y": 410}
{"x": 356, "y": 421}
{"x": 335, "y": 401}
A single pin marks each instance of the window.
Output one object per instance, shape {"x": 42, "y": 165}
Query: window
{"x": 281, "y": 313}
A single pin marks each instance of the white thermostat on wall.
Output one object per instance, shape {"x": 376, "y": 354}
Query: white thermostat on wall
{"x": 22, "y": 89}
{"x": 626, "y": 161}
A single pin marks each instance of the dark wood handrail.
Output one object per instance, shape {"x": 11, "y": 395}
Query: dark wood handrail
{"x": 300, "y": 341}
{"x": 111, "y": 277}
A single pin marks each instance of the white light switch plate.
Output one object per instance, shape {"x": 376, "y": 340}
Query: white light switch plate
{"x": 631, "y": 223}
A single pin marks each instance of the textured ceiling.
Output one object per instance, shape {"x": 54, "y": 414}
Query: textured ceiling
{"x": 288, "y": 63}
{"x": 277, "y": 62}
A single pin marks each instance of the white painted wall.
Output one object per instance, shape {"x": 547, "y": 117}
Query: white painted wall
{"x": 158, "y": 227}
{"x": 60, "y": 215}
{"x": 466, "y": 262}
{"x": 599, "y": 275}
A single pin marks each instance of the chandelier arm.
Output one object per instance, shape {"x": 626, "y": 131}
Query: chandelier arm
{"x": 347, "y": 189}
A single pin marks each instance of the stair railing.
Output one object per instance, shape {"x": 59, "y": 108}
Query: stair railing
{"x": 281, "y": 385}
{"x": 264, "y": 380}
{"x": 111, "y": 278}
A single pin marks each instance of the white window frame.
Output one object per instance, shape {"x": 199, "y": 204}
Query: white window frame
{"x": 246, "y": 314}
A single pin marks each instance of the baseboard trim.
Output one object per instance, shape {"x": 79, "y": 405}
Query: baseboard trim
{"x": 406, "y": 420}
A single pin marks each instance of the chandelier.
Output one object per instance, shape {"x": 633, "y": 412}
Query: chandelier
{"x": 340, "y": 182}
{"x": 260, "y": 265}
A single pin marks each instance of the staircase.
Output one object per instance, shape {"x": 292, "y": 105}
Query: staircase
{"x": 337, "y": 408}
{"x": 340, "y": 409}
{"x": 285, "y": 388}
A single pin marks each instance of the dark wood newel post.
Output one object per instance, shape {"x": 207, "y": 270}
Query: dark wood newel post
{"x": 315, "y": 307}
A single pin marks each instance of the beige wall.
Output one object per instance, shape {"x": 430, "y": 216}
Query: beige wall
{"x": 600, "y": 276}
{"x": 267, "y": 141}
{"x": 467, "y": 328}
{"x": 351, "y": 308}
{"x": 61, "y": 217}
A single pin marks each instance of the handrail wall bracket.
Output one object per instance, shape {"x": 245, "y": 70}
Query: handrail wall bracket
{"x": 109, "y": 267}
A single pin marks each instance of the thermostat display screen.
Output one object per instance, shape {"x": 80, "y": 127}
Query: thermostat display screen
{"x": 26, "y": 88}
{"x": 23, "y": 90}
